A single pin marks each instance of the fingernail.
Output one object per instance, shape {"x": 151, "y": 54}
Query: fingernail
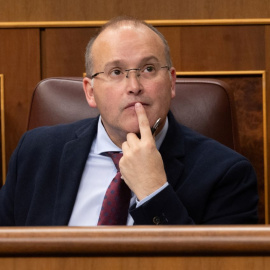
{"x": 138, "y": 104}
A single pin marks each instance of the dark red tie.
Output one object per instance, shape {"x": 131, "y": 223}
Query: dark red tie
{"x": 114, "y": 210}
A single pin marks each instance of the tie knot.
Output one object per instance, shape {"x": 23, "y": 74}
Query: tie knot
{"x": 115, "y": 156}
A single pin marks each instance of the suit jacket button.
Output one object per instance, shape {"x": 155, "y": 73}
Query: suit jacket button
{"x": 156, "y": 220}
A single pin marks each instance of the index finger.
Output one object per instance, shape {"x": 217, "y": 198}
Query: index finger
{"x": 143, "y": 121}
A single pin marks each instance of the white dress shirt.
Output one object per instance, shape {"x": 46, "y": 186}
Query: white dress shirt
{"x": 98, "y": 173}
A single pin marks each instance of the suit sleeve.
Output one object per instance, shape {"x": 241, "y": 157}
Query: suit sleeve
{"x": 7, "y": 192}
{"x": 230, "y": 198}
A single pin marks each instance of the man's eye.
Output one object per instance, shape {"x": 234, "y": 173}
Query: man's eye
{"x": 148, "y": 69}
{"x": 115, "y": 72}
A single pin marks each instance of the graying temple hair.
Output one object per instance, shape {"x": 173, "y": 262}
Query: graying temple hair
{"x": 117, "y": 22}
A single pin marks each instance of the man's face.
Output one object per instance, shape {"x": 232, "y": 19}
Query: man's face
{"x": 128, "y": 47}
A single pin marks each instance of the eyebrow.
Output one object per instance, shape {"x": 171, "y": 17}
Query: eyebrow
{"x": 121, "y": 63}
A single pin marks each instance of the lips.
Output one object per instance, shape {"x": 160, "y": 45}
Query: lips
{"x": 132, "y": 104}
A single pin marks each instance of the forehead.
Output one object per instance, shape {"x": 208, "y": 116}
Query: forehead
{"x": 127, "y": 44}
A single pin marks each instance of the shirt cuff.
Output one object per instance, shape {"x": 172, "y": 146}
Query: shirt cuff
{"x": 139, "y": 203}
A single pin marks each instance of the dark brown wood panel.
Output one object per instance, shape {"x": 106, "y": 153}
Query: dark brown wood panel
{"x": 221, "y": 48}
{"x": 204, "y": 48}
{"x": 63, "y": 51}
{"x": 139, "y": 247}
{"x": 249, "y": 112}
{"x": 134, "y": 263}
{"x": 173, "y": 37}
{"x": 267, "y": 100}
{"x": 136, "y": 241}
{"x": 50, "y": 10}
{"x": 20, "y": 64}
{"x": 2, "y": 137}
{"x": 248, "y": 97}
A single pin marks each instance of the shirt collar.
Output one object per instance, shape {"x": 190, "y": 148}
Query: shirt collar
{"x": 103, "y": 142}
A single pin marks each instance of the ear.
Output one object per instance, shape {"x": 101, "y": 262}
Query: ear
{"x": 89, "y": 92}
{"x": 173, "y": 81}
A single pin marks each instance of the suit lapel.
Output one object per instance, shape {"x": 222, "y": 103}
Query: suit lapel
{"x": 172, "y": 151}
{"x": 72, "y": 164}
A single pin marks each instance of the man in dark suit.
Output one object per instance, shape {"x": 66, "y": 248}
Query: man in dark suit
{"x": 59, "y": 175}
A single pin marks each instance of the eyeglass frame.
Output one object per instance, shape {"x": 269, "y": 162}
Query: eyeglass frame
{"x": 126, "y": 70}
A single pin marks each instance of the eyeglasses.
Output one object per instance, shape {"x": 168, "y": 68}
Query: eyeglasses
{"x": 117, "y": 74}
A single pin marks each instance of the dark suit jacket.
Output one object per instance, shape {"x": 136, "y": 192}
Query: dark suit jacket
{"x": 208, "y": 182}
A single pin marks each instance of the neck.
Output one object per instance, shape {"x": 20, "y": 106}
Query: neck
{"x": 118, "y": 137}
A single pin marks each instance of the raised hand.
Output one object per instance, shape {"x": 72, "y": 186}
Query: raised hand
{"x": 141, "y": 165}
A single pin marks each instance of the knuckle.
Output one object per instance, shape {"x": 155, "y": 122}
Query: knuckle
{"x": 149, "y": 145}
{"x": 136, "y": 149}
{"x": 124, "y": 145}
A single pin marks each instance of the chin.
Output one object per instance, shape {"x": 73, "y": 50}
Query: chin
{"x": 136, "y": 131}
{"x": 130, "y": 124}
{"x": 133, "y": 128}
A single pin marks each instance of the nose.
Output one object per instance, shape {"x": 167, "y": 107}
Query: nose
{"x": 133, "y": 82}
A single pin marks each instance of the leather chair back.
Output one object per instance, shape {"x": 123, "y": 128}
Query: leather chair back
{"x": 204, "y": 105}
